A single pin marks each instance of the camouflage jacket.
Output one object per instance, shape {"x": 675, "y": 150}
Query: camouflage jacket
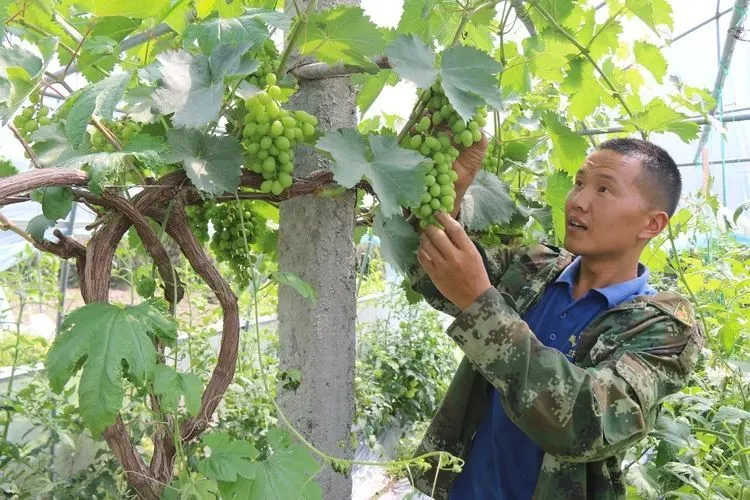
{"x": 584, "y": 414}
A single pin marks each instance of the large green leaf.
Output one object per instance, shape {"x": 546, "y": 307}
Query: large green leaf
{"x": 660, "y": 117}
{"x": 558, "y": 187}
{"x": 469, "y": 79}
{"x": 216, "y": 31}
{"x": 342, "y": 34}
{"x": 98, "y": 99}
{"x": 650, "y": 57}
{"x": 169, "y": 385}
{"x": 652, "y": 12}
{"x": 286, "y": 474}
{"x": 106, "y": 342}
{"x": 347, "y": 148}
{"x": 568, "y": 148}
{"x": 192, "y": 86}
{"x": 415, "y": 19}
{"x": 273, "y": 18}
{"x": 487, "y": 202}
{"x": 229, "y": 458}
{"x": 4, "y": 5}
{"x": 20, "y": 73}
{"x": 56, "y": 202}
{"x": 127, "y": 8}
{"x": 370, "y": 86}
{"x": 413, "y": 60}
{"x": 398, "y": 240}
{"x": 38, "y": 226}
{"x": 516, "y": 76}
{"x": 212, "y": 163}
{"x": 396, "y": 174}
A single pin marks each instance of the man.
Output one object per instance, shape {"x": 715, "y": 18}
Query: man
{"x": 566, "y": 358}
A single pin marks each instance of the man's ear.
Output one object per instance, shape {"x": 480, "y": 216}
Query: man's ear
{"x": 656, "y": 223}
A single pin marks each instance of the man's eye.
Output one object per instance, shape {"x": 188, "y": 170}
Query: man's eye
{"x": 604, "y": 189}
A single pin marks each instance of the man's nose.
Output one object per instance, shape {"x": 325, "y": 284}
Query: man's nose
{"x": 579, "y": 199}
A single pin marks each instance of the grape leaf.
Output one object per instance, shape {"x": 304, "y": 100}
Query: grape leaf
{"x": 212, "y": 163}
{"x": 38, "y": 226}
{"x": 169, "y": 385}
{"x": 20, "y": 73}
{"x": 559, "y": 10}
{"x": 652, "y": 12}
{"x": 115, "y": 28}
{"x": 285, "y": 474}
{"x": 229, "y": 458}
{"x": 395, "y": 173}
{"x": 413, "y": 60}
{"x": 650, "y": 57}
{"x": 342, "y": 34}
{"x": 558, "y": 187}
{"x": 516, "y": 76}
{"x": 216, "y": 31}
{"x": 100, "y": 99}
{"x": 271, "y": 17}
{"x": 605, "y": 40}
{"x": 56, "y": 202}
{"x": 4, "y": 4}
{"x": 192, "y": 86}
{"x": 469, "y": 79}
{"x": 659, "y": 117}
{"x": 398, "y": 240}
{"x": 568, "y": 148}
{"x": 106, "y": 342}
{"x": 7, "y": 168}
{"x": 415, "y": 19}
{"x": 302, "y": 287}
{"x": 137, "y": 10}
{"x": 105, "y": 167}
{"x": 487, "y": 202}
{"x": 370, "y": 86}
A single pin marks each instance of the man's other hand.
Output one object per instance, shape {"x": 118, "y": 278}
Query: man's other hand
{"x": 452, "y": 262}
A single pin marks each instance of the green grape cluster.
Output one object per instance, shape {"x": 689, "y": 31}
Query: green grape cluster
{"x": 270, "y": 135}
{"x": 266, "y": 56}
{"x": 30, "y": 119}
{"x": 234, "y": 223}
{"x": 438, "y": 135}
{"x": 493, "y": 158}
{"x": 123, "y": 129}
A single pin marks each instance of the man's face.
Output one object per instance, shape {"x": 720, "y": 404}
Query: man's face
{"x": 606, "y": 214}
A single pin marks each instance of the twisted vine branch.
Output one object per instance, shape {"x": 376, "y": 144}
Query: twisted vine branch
{"x": 95, "y": 270}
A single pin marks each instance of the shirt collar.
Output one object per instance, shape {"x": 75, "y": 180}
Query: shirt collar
{"x": 615, "y": 294}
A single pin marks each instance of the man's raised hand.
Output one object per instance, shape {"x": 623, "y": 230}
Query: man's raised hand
{"x": 452, "y": 262}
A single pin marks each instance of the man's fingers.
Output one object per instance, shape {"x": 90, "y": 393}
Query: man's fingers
{"x": 455, "y": 232}
{"x": 441, "y": 242}
{"x": 424, "y": 260}
{"x": 430, "y": 250}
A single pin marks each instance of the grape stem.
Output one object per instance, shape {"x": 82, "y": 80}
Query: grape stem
{"x": 294, "y": 37}
{"x": 25, "y": 145}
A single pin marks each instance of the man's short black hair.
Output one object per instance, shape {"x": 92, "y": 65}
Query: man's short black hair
{"x": 660, "y": 179}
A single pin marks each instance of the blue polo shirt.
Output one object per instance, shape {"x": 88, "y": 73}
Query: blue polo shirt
{"x": 504, "y": 463}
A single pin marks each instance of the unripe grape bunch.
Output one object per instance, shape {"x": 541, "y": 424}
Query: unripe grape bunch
{"x": 123, "y": 129}
{"x": 236, "y": 226}
{"x": 493, "y": 158}
{"x": 266, "y": 56}
{"x": 440, "y": 134}
{"x": 270, "y": 135}
{"x": 30, "y": 119}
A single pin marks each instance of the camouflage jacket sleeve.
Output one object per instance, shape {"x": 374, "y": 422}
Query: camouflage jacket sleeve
{"x": 574, "y": 413}
{"x": 496, "y": 262}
